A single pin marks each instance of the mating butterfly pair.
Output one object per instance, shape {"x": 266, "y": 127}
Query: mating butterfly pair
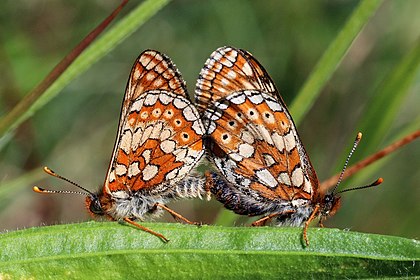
{"x": 243, "y": 121}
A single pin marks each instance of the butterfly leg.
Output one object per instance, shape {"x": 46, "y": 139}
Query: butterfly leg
{"x": 263, "y": 221}
{"x": 177, "y": 217}
{"x": 131, "y": 222}
{"x": 311, "y": 218}
{"x": 321, "y": 222}
{"x": 208, "y": 184}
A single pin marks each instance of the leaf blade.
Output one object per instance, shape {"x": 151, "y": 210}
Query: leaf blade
{"x": 210, "y": 251}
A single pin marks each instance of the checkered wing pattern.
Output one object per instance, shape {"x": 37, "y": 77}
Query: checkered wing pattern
{"x": 160, "y": 132}
{"x": 253, "y": 140}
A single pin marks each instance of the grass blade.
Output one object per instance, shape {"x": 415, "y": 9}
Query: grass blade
{"x": 331, "y": 59}
{"x": 97, "y": 50}
{"x": 387, "y": 101}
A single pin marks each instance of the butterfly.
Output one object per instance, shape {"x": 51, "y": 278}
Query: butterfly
{"x": 263, "y": 168}
{"x": 158, "y": 144}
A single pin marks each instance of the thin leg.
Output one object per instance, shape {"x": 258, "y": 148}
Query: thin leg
{"x": 321, "y": 222}
{"x": 311, "y": 218}
{"x": 177, "y": 217}
{"x": 131, "y": 222}
{"x": 263, "y": 221}
{"x": 207, "y": 186}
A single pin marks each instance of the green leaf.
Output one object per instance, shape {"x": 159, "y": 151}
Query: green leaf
{"x": 96, "y": 50}
{"x": 331, "y": 59}
{"x": 109, "y": 250}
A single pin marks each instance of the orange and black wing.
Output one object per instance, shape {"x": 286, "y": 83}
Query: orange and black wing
{"x": 159, "y": 136}
{"x": 253, "y": 140}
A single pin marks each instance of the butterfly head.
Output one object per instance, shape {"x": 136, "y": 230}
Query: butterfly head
{"x": 93, "y": 204}
{"x": 330, "y": 204}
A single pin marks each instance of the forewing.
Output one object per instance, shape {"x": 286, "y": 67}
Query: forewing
{"x": 255, "y": 143}
{"x": 160, "y": 132}
{"x": 230, "y": 70}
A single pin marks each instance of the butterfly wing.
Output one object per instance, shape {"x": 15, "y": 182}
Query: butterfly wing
{"x": 159, "y": 136}
{"x": 254, "y": 142}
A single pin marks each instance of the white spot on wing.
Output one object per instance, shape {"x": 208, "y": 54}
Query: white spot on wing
{"x": 256, "y": 99}
{"x": 246, "y": 150}
{"x": 179, "y": 103}
{"x": 221, "y": 105}
{"x": 120, "y": 195}
{"x": 284, "y": 179}
{"x": 157, "y": 129}
{"x": 247, "y": 69}
{"x": 274, "y": 106}
{"x": 180, "y": 154}
{"x": 247, "y": 137}
{"x": 189, "y": 114}
{"x": 216, "y": 56}
{"x": 168, "y": 146}
{"x": 136, "y": 74}
{"x": 231, "y": 55}
{"x": 126, "y": 140}
{"x": 307, "y": 186}
{"x": 278, "y": 141}
{"x": 146, "y": 135}
{"x": 160, "y": 68}
{"x": 150, "y": 76}
{"x": 111, "y": 176}
{"x": 137, "y": 105}
{"x": 172, "y": 174}
{"x": 265, "y": 135}
{"x": 289, "y": 141}
{"x": 297, "y": 177}
{"x": 133, "y": 169}
{"x": 225, "y": 82}
{"x": 231, "y": 74}
{"x": 120, "y": 170}
{"x": 150, "y": 99}
{"x": 165, "y": 99}
{"x": 136, "y": 139}
{"x": 146, "y": 155}
{"x": 236, "y": 157}
{"x": 197, "y": 127}
{"x": 266, "y": 178}
{"x": 144, "y": 60}
{"x": 238, "y": 99}
{"x": 269, "y": 160}
{"x": 227, "y": 63}
{"x": 158, "y": 82}
{"x": 166, "y": 134}
{"x": 149, "y": 172}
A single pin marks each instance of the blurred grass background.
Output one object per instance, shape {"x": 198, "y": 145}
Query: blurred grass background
{"x": 74, "y": 133}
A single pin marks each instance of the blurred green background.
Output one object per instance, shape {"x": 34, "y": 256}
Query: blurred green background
{"x": 74, "y": 134}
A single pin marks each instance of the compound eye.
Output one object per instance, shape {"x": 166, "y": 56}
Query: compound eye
{"x": 95, "y": 207}
{"x": 328, "y": 199}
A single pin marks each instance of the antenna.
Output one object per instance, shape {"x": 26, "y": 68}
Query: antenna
{"x": 355, "y": 144}
{"x": 52, "y": 173}
{"x": 377, "y": 182}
